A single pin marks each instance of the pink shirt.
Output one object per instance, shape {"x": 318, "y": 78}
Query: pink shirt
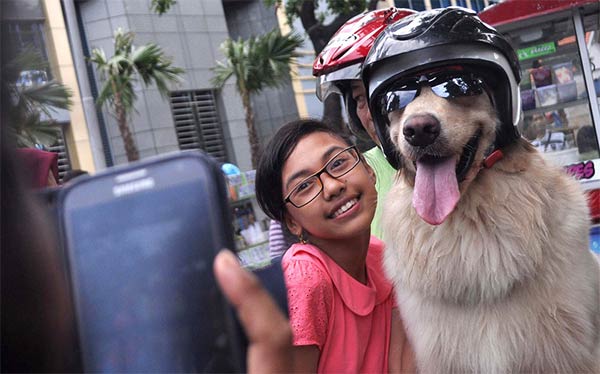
{"x": 348, "y": 321}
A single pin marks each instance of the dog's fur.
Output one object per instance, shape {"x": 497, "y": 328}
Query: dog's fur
{"x": 507, "y": 282}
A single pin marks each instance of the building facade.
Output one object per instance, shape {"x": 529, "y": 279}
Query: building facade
{"x": 195, "y": 115}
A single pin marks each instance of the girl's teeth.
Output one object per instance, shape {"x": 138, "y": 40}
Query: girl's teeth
{"x": 345, "y": 207}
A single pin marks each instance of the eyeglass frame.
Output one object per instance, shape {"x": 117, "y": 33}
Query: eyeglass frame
{"x": 318, "y": 175}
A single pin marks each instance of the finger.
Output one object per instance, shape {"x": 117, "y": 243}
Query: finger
{"x": 266, "y": 327}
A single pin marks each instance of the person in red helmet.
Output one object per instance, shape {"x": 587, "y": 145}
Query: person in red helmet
{"x": 338, "y": 68}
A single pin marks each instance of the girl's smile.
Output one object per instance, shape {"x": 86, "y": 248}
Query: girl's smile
{"x": 345, "y": 209}
{"x": 345, "y": 205}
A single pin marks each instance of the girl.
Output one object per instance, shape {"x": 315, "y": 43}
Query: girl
{"x": 340, "y": 304}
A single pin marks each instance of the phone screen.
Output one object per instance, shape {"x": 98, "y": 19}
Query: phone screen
{"x": 141, "y": 251}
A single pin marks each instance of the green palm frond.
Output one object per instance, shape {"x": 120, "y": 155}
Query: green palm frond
{"x": 221, "y": 74}
{"x": 28, "y": 59}
{"x": 121, "y": 72}
{"x": 153, "y": 66}
{"x": 161, "y": 7}
{"x": 48, "y": 95}
{"x": 123, "y": 42}
{"x": 258, "y": 62}
{"x": 98, "y": 56}
{"x": 28, "y": 103}
{"x": 31, "y": 132}
{"x": 105, "y": 95}
{"x": 44, "y": 134}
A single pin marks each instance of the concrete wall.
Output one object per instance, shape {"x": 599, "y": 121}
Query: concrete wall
{"x": 190, "y": 33}
{"x": 274, "y": 106}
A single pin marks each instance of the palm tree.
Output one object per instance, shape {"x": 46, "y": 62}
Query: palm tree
{"x": 30, "y": 105}
{"x": 120, "y": 73}
{"x": 161, "y": 7}
{"x": 256, "y": 63}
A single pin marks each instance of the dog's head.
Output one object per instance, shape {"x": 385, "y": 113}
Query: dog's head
{"x": 443, "y": 94}
{"x": 443, "y": 135}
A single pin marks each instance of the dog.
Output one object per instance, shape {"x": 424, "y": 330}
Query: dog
{"x": 493, "y": 274}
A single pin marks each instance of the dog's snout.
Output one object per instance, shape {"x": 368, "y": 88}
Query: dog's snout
{"x": 421, "y": 130}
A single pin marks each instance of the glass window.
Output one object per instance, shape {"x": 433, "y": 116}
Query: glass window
{"x": 556, "y": 116}
{"x": 25, "y": 35}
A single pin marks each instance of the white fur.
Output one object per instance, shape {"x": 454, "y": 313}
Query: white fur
{"x": 507, "y": 283}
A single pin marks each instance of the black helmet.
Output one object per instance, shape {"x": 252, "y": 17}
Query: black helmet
{"x": 437, "y": 38}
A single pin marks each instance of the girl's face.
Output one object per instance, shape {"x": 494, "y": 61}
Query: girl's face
{"x": 345, "y": 206}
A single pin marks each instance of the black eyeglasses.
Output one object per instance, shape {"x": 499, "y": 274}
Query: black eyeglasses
{"x": 309, "y": 188}
{"x": 448, "y": 86}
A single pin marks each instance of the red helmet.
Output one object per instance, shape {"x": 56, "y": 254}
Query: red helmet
{"x": 341, "y": 59}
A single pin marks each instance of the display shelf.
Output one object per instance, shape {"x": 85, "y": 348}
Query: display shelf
{"x": 551, "y": 108}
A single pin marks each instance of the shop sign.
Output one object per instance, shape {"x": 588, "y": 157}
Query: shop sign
{"x": 587, "y": 172}
{"x": 536, "y": 51}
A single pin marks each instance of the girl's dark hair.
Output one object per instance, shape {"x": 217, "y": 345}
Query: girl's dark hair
{"x": 269, "y": 188}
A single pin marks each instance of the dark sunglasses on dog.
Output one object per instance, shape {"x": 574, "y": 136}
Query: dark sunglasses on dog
{"x": 448, "y": 86}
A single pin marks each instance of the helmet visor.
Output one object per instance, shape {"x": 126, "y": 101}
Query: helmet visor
{"x": 332, "y": 82}
{"x": 326, "y": 88}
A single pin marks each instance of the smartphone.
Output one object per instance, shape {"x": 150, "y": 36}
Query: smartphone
{"x": 140, "y": 242}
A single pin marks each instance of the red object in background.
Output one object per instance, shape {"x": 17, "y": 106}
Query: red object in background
{"x": 353, "y": 41}
{"x": 594, "y": 203}
{"x": 38, "y": 165}
{"x": 510, "y": 11}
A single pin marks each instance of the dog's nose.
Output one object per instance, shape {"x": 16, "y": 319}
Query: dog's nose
{"x": 421, "y": 130}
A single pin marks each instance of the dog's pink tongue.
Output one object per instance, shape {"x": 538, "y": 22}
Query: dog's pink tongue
{"x": 436, "y": 190}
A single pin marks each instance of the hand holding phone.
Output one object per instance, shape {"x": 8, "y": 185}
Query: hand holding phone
{"x": 141, "y": 241}
{"x": 267, "y": 328}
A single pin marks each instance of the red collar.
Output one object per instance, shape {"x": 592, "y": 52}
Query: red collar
{"x": 492, "y": 158}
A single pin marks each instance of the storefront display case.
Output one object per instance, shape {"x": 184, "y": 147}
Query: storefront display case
{"x": 250, "y": 225}
{"x": 558, "y": 46}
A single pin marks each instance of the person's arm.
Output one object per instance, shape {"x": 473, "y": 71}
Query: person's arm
{"x": 306, "y": 358}
{"x": 401, "y": 356}
{"x": 409, "y": 362}
{"x": 268, "y": 331}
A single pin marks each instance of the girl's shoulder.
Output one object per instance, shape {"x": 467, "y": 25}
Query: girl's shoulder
{"x": 306, "y": 264}
{"x": 299, "y": 252}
